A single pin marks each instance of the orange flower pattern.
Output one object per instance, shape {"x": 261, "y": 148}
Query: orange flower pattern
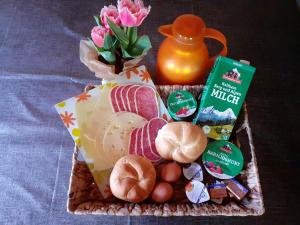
{"x": 82, "y": 97}
{"x": 145, "y": 76}
{"x": 67, "y": 119}
{"x": 134, "y": 70}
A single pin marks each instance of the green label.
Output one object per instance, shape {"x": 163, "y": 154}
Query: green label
{"x": 181, "y": 104}
{"x": 223, "y": 97}
{"x": 223, "y": 159}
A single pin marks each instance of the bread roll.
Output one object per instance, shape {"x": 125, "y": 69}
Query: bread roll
{"x": 181, "y": 141}
{"x": 133, "y": 178}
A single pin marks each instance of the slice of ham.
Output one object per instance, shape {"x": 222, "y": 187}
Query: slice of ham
{"x": 124, "y": 98}
{"x": 147, "y": 153}
{"x": 133, "y": 139}
{"x": 154, "y": 126}
{"x": 146, "y": 102}
{"x": 113, "y": 99}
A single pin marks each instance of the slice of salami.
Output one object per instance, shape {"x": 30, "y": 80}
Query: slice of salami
{"x": 154, "y": 126}
{"x": 113, "y": 99}
{"x": 146, "y": 102}
{"x": 130, "y": 98}
{"x": 138, "y": 147}
{"x": 123, "y": 96}
{"x": 146, "y": 147}
{"x": 132, "y": 142}
{"x": 119, "y": 99}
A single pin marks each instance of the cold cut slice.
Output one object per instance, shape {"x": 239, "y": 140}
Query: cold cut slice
{"x": 130, "y": 98}
{"x": 147, "y": 153}
{"x": 124, "y": 98}
{"x": 138, "y": 147}
{"x": 154, "y": 126}
{"x": 133, "y": 139}
{"x": 113, "y": 99}
{"x": 119, "y": 98}
{"x": 146, "y": 102}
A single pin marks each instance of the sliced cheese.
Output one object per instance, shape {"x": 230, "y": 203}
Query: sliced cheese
{"x": 93, "y": 115}
{"x": 117, "y": 136}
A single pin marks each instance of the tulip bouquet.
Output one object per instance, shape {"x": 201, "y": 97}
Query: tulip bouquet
{"x": 115, "y": 37}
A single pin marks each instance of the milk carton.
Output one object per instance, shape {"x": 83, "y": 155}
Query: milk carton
{"x": 223, "y": 97}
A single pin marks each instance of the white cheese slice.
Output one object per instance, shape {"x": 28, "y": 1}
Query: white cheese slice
{"x": 93, "y": 115}
{"x": 117, "y": 136}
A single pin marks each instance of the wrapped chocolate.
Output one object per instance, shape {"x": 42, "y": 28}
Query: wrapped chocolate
{"x": 217, "y": 190}
{"x": 236, "y": 189}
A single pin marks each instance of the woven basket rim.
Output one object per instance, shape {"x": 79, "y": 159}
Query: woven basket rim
{"x": 171, "y": 209}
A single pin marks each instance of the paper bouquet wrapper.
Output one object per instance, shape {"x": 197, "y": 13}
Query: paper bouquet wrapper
{"x": 89, "y": 57}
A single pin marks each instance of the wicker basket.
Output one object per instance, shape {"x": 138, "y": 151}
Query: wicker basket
{"x": 84, "y": 197}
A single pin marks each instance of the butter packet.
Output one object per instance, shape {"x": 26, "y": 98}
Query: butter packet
{"x": 223, "y": 97}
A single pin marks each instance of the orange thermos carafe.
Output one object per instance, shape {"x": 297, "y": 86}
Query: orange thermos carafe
{"x": 183, "y": 56}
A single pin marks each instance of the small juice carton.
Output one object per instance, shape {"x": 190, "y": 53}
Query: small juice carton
{"x": 223, "y": 97}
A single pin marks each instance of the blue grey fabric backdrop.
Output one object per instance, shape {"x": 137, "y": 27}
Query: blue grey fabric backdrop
{"x": 39, "y": 66}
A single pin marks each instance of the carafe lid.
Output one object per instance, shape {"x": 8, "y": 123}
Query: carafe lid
{"x": 188, "y": 28}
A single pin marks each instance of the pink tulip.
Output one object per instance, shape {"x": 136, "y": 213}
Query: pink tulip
{"x": 98, "y": 35}
{"x": 112, "y": 13}
{"x": 131, "y": 13}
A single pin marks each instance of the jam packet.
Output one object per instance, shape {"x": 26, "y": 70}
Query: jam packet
{"x": 223, "y": 97}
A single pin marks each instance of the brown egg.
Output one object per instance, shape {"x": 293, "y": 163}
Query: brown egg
{"x": 162, "y": 192}
{"x": 171, "y": 172}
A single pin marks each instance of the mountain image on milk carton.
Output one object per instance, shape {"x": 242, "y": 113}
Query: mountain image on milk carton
{"x": 223, "y": 97}
{"x": 212, "y": 116}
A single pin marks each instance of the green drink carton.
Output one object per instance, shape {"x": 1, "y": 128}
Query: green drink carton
{"x": 223, "y": 97}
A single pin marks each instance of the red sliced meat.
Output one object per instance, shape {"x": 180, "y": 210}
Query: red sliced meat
{"x": 114, "y": 100}
{"x": 119, "y": 99}
{"x": 130, "y": 98}
{"x": 138, "y": 147}
{"x": 146, "y": 102}
{"x": 132, "y": 142}
{"x": 124, "y": 98}
{"x": 146, "y": 147}
{"x": 154, "y": 126}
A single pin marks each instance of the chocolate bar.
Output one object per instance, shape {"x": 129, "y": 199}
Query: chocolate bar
{"x": 217, "y": 190}
{"x": 235, "y": 188}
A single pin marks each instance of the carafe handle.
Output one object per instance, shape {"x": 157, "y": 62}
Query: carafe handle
{"x": 166, "y": 30}
{"x": 217, "y": 35}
